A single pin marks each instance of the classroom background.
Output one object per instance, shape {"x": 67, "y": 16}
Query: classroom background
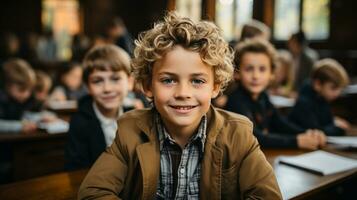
{"x": 53, "y": 36}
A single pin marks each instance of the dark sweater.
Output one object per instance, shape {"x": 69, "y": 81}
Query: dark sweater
{"x": 86, "y": 139}
{"x": 10, "y": 109}
{"x": 312, "y": 111}
{"x": 270, "y": 128}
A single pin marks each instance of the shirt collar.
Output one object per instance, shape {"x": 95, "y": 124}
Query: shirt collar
{"x": 103, "y": 119}
{"x": 164, "y": 136}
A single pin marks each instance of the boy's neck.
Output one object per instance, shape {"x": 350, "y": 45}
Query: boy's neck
{"x": 111, "y": 113}
{"x": 181, "y": 135}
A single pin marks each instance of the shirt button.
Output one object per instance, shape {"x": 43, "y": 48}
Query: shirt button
{"x": 182, "y": 170}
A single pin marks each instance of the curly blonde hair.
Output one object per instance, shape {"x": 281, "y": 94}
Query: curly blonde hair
{"x": 202, "y": 37}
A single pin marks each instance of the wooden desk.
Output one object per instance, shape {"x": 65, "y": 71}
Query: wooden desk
{"x": 295, "y": 183}
{"x": 61, "y": 186}
{"x": 33, "y": 155}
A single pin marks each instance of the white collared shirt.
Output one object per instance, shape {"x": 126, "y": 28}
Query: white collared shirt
{"x": 109, "y": 125}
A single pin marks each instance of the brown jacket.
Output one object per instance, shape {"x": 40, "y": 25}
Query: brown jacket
{"x": 233, "y": 166}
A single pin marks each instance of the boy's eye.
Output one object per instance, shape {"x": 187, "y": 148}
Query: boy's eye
{"x": 167, "y": 81}
{"x": 248, "y": 68}
{"x": 96, "y": 81}
{"x": 115, "y": 78}
{"x": 198, "y": 81}
{"x": 262, "y": 68}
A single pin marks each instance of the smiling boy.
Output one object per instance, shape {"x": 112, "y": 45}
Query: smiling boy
{"x": 182, "y": 148}
{"x": 256, "y": 62}
{"x": 93, "y": 127}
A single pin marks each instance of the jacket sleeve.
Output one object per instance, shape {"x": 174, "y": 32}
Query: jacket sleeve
{"x": 256, "y": 176}
{"x": 303, "y": 115}
{"x": 76, "y": 151}
{"x": 270, "y": 139}
{"x": 106, "y": 178}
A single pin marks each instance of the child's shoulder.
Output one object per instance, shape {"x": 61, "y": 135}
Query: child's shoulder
{"x": 234, "y": 119}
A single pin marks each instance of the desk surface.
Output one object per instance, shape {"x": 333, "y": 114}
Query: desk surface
{"x": 295, "y": 183}
{"x": 38, "y": 135}
{"x": 58, "y": 186}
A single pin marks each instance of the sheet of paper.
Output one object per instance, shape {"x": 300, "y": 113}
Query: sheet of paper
{"x": 321, "y": 162}
{"x": 346, "y": 141}
{"x": 58, "y": 126}
{"x": 281, "y": 102}
{"x": 62, "y": 105}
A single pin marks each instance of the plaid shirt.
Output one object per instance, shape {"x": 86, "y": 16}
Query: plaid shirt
{"x": 188, "y": 164}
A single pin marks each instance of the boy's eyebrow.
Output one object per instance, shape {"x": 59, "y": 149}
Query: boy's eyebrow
{"x": 174, "y": 74}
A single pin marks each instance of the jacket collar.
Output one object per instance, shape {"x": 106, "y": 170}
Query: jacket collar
{"x": 149, "y": 156}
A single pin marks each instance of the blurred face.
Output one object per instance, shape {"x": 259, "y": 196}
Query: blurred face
{"x": 43, "y": 94}
{"x": 108, "y": 89}
{"x": 18, "y": 93}
{"x": 73, "y": 79}
{"x": 328, "y": 90}
{"x": 255, "y": 73}
{"x": 182, "y": 89}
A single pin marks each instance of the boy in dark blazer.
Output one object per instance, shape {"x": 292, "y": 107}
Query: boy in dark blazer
{"x": 93, "y": 127}
{"x": 312, "y": 109}
{"x": 255, "y": 60}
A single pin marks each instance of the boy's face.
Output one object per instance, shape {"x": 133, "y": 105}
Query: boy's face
{"x": 109, "y": 88}
{"x": 20, "y": 94}
{"x": 328, "y": 90}
{"x": 182, "y": 87}
{"x": 43, "y": 94}
{"x": 255, "y": 72}
{"x": 73, "y": 79}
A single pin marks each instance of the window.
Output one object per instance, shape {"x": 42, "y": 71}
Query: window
{"x": 61, "y": 17}
{"x": 231, "y": 15}
{"x": 189, "y": 8}
{"x": 315, "y": 21}
{"x": 314, "y": 16}
{"x": 286, "y": 18}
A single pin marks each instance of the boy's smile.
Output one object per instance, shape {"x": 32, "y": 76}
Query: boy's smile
{"x": 182, "y": 87}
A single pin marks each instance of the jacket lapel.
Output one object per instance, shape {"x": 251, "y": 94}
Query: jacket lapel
{"x": 149, "y": 159}
{"x": 210, "y": 186}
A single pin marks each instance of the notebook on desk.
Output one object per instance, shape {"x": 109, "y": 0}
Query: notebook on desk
{"x": 343, "y": 141}
{"x": 62, "y": 105}
{"x": 320, "y": 162}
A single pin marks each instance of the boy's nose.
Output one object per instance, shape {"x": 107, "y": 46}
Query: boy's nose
{"x": 107, "y": 86}
{"x": 183, "y": 91}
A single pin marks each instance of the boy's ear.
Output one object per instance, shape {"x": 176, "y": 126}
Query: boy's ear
{"x": 147, "y": 89}
{"x": 316, "y": 84}
{"x": 131, "y": 83}
{"x": 216, "y": 90}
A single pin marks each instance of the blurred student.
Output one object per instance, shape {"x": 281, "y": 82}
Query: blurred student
{"x": 182, "y": 148}
{"x": 42, "y": 89}
{"x": 312, "y": 109}
{"x": 70, "y": 85}
{"x": 93, "y": 127}
{"x": 16, "y": 98}
{"x": 282, "y": 83}
{"x": 251, "y": 30}
{"x": 256, "y": 62}
{"x": 118, "y": 34}
{"x": 304, "y": 58}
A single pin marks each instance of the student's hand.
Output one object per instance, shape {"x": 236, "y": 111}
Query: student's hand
{"x": 308, "y": 140}
{"x": 320, "y": 135}
{"x": 341, "y": 123}
{"x": 28, "y": 127}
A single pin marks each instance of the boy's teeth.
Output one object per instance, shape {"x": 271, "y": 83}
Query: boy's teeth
{"x": 183, "y": 107}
